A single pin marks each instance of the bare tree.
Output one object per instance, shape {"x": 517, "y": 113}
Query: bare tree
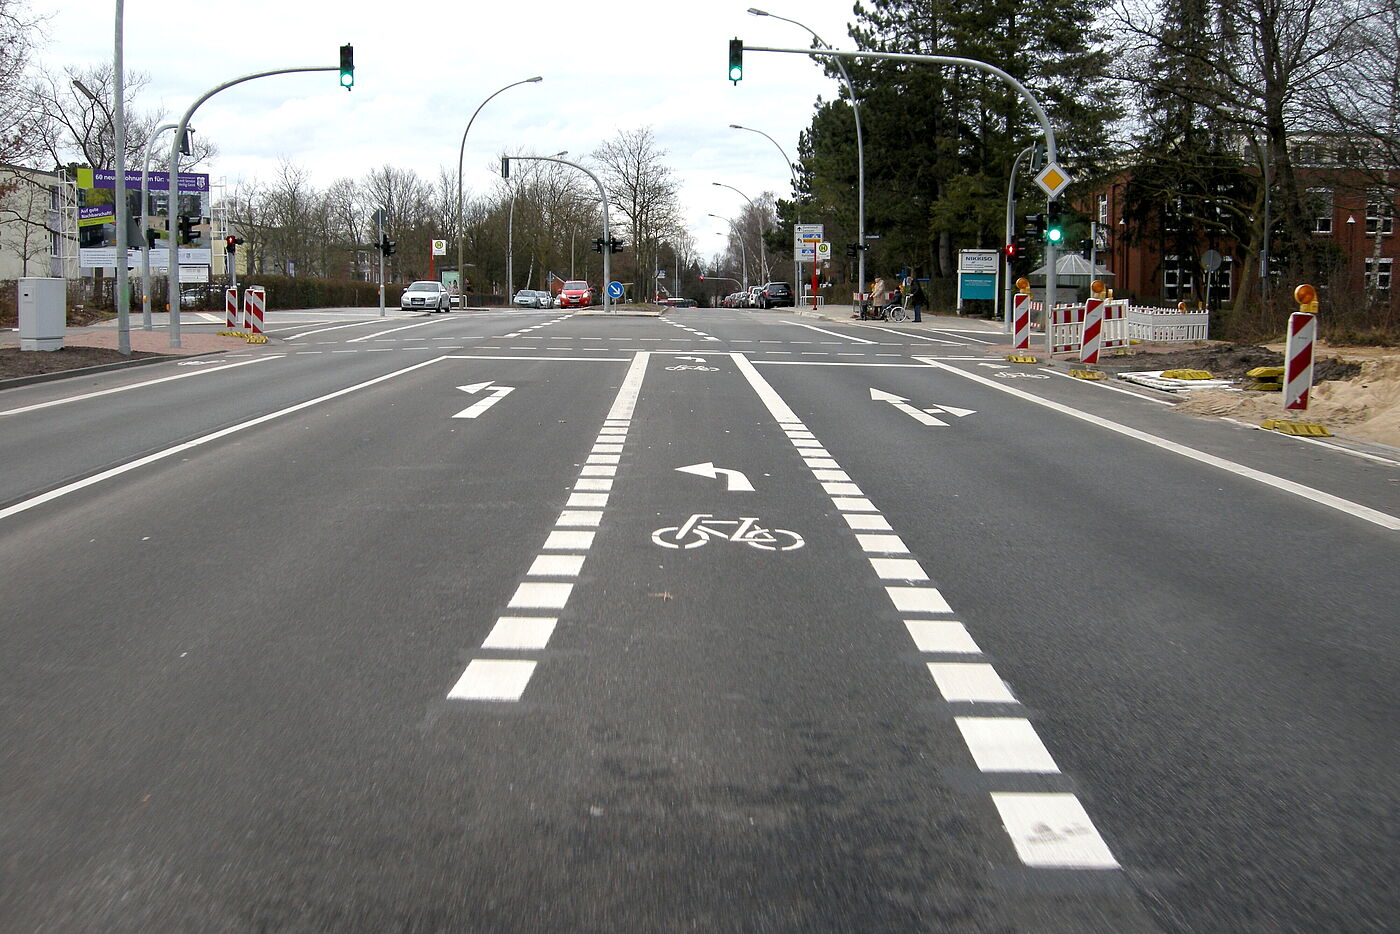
{"x": 642, "y": 188}
{"x": 18, "y": 121}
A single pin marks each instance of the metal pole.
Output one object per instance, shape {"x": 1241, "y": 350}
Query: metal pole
{"x": 145, "y": 225}
{"x": 461, "y": 151}
{"x": 173, "y": 274}
{"x": 1011, "y": 231}
{"x": 762, "y": 254}
{"x": 510, "y": 248}
{"x": 602, "y": 197}
{"x": 379, "y": 228}
{"x": 796, "y": 261}
{"x": 119, "y": 188}
{"x": 860, "y": 139}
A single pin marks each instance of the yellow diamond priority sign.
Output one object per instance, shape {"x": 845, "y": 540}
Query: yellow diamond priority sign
{"x": 1053, "y": 179}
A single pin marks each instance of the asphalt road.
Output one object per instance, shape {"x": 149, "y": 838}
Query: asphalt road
{"x": 417, "y": 624}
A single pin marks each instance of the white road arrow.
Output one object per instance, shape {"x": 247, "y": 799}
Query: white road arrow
{"x": 922, "y": 416}
{"x": 995, "y": 366}
{"x": 477, "y": 408}
{"x": 735, "y": 480}
{"x": 696, "y": 359}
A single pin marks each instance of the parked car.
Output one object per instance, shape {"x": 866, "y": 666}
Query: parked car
{"x": 531, "y": 298}
{"x": 426, "y": 295}
{"x": 576, "y": 294}
{"x": 679, "y": 302}
{"x": 751, "y": 296}
{"x": 775, "y": 295}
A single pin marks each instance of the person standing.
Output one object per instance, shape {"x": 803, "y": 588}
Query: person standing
{"x": 917, "y": 299}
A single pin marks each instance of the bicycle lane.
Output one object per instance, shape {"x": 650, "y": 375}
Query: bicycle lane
{"x": 740, "y": 734}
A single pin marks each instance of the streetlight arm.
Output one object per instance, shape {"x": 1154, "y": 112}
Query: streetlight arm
{"x": 603, "y": 197}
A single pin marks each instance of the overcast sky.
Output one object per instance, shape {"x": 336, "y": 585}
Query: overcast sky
{"x": 421, "y": 68}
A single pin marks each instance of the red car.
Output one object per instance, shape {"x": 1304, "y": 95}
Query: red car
{"x": 576, "y": 294}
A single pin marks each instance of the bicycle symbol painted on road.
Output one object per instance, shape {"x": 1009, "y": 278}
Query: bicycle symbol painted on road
{"x": 702, "y": 527}
{"x": 1021, "y": 375}
{"x": 702, "y": 369}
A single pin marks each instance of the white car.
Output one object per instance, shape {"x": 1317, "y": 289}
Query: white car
{"x": 427, "y": 296}
{"x": 529, "y": 298}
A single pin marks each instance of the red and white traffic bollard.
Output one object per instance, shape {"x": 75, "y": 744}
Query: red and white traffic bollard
{"x": 1298, "y": 353}
{"x": 1092, "y": 339}
{"x": 1021, "y": 315}
{"x": 231, "y": 309}
{"x": 254, "y": 305}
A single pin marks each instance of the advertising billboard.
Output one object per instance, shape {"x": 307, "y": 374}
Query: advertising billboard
{"x": 97, "y": 225}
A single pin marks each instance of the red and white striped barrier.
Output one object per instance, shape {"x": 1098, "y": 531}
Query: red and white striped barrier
{"x": 1021, "y": 317}
{"x": 1092, "y": 340}
{"x": 231, "y": 309}
{"x": 254, "y": 305}
{"x": 1065, "y": 327}
{"x": 1298, "y": 360}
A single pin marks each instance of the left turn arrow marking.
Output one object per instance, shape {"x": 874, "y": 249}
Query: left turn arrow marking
{"x": 477, "y": 408}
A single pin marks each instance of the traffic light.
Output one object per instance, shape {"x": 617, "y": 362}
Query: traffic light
{"x": 185, "y": 227}
{"x": 230, "y": 244}
{"x": 347, "y": 66}
{"x": 1010, "y": 251}
{"x": 151, "y": 237}
{"x": 1035, "y": 225}
{"x": 505, "y": 166}
{"x": 388, "y": 247}
{"x": 598, "y": 244}
{"x": 1086, "y": 248}
{"x": 736, "y": 60}
{"x": 615, "y": 245}
{"x": 1054, "y": 228}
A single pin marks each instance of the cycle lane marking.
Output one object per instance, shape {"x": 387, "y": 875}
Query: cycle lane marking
{"x": 532, "y": 613}
{"x": 1046, "y": 829}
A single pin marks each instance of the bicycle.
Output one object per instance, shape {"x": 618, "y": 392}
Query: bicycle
{"x": 702, "y": 527}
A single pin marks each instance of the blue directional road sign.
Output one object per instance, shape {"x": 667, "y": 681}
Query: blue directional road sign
{"x": 614, "y": 289}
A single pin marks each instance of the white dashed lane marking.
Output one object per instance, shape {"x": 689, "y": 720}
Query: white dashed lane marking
{"x": 1047, "y": 830}
{"x": 560, "y": 562}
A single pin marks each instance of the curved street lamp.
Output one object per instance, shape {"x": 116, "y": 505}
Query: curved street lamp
{"x": 860, "y": 143}
{"x": 762, "y": 255}
{"x": 797, "y": 217}
{"x": 743, "y": 252}
{"x": 461, "y": 152}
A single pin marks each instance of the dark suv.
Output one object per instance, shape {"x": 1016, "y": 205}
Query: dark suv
{"x": 775, "y": 295}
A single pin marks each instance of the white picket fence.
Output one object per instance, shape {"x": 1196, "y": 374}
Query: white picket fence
{"x": 1124, "y": 322}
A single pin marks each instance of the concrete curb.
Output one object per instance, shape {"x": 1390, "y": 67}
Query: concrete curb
{"x": 101, "y": 368}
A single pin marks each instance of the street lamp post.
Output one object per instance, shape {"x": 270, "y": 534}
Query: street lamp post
{"x": 796, "y": 261}
{"x": 860, "y": 147}
{"x": 510, "y": 238}
{"x": 461, "y": 152}
{"x": 119, "y": 186}
{"x": 743, "y": 253}
{"x": 762, "y": 254}
{"x": 145, "y": 225}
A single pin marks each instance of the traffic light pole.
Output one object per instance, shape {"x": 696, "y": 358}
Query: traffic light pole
{"x": 1011, "y": 235}
{"x": 379, "y": 243}
{"x": 172, "y": 206}
{"x": 602, "y": 197}
{"x": 146, "y": 225}
{"x": 1039, "y": 111}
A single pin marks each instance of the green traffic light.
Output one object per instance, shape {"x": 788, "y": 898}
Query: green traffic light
{"x": 736, "y": 60}
{"x": 1054, "y": 235}
{"x": 347, "y": 66}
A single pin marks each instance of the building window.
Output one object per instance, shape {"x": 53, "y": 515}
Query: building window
{"x": 1103, "y": 209}
{"x": 1380, "y": 210}
{"x": 1178, "y": 277}
{"x": 1378, "y": 271}
{"x": 1319, "y": 208}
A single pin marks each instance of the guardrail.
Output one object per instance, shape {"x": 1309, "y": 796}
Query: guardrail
{"x": 1167, "y": 324}
{"x": 1124, "y": 322}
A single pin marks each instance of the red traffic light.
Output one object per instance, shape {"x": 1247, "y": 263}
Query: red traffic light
{"x": 1010, "y": 251}
{"x": 231, "y": 241}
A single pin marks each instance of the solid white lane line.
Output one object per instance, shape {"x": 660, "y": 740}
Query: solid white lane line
{"x": 1356, "y": 510}
{"x": 1006, "y": 744}
{"x": 1052, "y": 831}
{"x": 921, "y": 337}
{"x": 521, "y": 632}
{"x": 493, "y": 679}
{"x": 587, "y": 500}
{"x": 849, "y": 337}
{"x": 542, "y": 596}
{"x": 918, "y": 600}
{"x": 579, "y": 519}
{"x": 766, "y": 393}
{"x": 406, "y": 327}
{"x": 556, "y": 566}
{"x": 970, "y": 682}
{"x": 1103, "y": 384}
{"x": 150, "y": 382}
{"x": 205, "y": 439}
{"x": 973, "y": 339}
{"x": 626, "y": 400}
{"x": 569, "y": 541}
{"x": 338, "y": 327}
{"x": 941, "y": 635}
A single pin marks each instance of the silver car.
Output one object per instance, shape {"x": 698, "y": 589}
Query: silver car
{"x": 427, "y": 296}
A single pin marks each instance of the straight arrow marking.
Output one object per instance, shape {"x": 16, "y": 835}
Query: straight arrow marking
{"x": 735, "y": 481}
{"x": 922, "y": 416}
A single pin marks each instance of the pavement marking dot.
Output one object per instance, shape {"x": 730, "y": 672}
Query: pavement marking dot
{"x": 521, "y": 632}
{"x": 941, "y": 635}
{"x": 593, "y": 483}
{"x": 1006, "y": 744}
{"x": 1052, "y": 831}
{"x": 866, "y": 523}
{"x": 898, "y": 569}
{"x": 598, "y": 470}
{"x": 569, "y": 541}
{"x": 882, "y": 544}
{"x": 556, "y": 566}
{"x": 853, "y": 504}
{"x": 970, "y": 682}
{"x": 579, "y": 518}
{"x": 544, "y": 596}
{"x": 842, "y": 489}
{"x": 593, "y": 500}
